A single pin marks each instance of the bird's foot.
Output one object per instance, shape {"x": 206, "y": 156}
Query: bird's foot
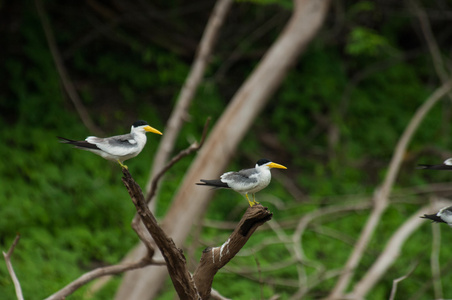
{"x": 249, "y": 201}
{"x": 254, "y": 201}
{"x": 122, "y": 165}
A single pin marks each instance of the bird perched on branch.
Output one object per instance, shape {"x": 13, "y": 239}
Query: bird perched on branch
{"x": 246, "y": 181}
{"x": 117, "y": 148}
{"x": 443, "y": 216}
{"x": 446, "y": 165}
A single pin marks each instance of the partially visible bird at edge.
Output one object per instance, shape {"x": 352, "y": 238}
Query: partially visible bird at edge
{"x": 444, "y": 215}
{"x": 446, "y": 165}
{"x": 247, "y": 181}
{"x": 119, "y": 147}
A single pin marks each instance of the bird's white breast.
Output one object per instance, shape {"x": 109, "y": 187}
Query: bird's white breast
{"x": 264, "y": 178}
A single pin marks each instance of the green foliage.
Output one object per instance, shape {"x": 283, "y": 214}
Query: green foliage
{"x": 365, "y": 41}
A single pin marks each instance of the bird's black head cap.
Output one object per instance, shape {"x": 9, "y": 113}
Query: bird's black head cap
{"x": 139, "y": 123}
{"x": 263, "y": 161}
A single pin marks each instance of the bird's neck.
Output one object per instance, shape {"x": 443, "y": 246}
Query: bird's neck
{"x": 140, "y": 137}
{"x": 265, "y": 173}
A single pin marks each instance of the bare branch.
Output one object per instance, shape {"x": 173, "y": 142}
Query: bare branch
{"x": 213, "y": 259}
{"x": 397, "y": 280}
{"x": 175, "y": 260}
{"x": 142, "y": 233}
{"x": 64, "y": 76}
{"x": 217, "y": 296}
{"x": 192, "y": 148}
{"x": 434, "y": 261}
{"x": 96, "y": 273}
{"x": 9, "y": 265}
{"x": 435, "y": 52}
{"x": 381, "y": 194}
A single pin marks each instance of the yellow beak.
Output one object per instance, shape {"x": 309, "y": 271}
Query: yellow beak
{"x": 153, "y": 130}
{"x": 277, "y": 166}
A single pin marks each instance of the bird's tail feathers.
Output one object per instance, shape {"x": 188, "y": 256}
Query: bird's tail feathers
{"x": 433, "y": 218}
{"x": 65, "y": 140}
{"x": 434, "y": 167}
{"x": 78, "y": 144}
{"x": 216, "y": 183}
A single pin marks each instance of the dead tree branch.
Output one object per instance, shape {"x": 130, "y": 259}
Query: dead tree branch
{"x": 192, "y": 148}
{"x": 213, "y": 259}
{"x": 175, "y": 260}
{"x": 396, "y": 281}
{"x": 7, "y": 257}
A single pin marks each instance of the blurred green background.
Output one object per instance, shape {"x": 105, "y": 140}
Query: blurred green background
{"x": 334, "y": 123}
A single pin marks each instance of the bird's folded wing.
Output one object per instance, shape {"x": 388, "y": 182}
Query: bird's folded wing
{"x": 434, "y": 218}
{"x": 115, "y": 145}
{"x": 242, "y": 178}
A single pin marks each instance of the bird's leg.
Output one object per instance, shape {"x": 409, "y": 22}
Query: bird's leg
{"x": 251, "y": 203}
{"x": 254, "y": 200}
{"x": 122, "y": 165}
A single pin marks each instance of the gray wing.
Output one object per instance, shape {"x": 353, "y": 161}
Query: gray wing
{"x": 115, "y": 145}
{"x": 242, "y": 177}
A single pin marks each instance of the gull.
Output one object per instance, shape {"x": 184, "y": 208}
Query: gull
{"x": 446, "y": 165}
{"x": 119, "y": 147}
{"x": 443, "y": 216}
{"x": 246, "y": 181}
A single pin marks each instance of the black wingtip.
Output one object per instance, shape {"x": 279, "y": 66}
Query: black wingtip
{"x": 216, "y": 183}
{"x": 64, "y": 140}
{"x": 420, "y": 167}
{"x": 433, "y": 218}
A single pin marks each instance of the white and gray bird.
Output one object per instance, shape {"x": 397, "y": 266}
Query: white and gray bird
{"x": 117, "y": 148}
{"x": 247, "y": 181}
{"x": 446, "y": 165}
{"x": 443, "y": 216}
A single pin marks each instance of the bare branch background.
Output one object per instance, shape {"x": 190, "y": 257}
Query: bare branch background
{"x": 9, "y": 265}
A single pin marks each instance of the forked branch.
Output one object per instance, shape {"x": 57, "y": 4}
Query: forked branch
{"x": 213, "y": 259}
{"x": 175, "y": 260}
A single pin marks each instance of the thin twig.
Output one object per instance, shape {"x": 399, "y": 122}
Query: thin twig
{"x": 9, "y": 265}
{"x": 397, "y": 280}
{"x": 192, "y": 148}
{"x": 64, "y": 76}
{"x": 143, "y": 234}
{"x": 427, "y": 31}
